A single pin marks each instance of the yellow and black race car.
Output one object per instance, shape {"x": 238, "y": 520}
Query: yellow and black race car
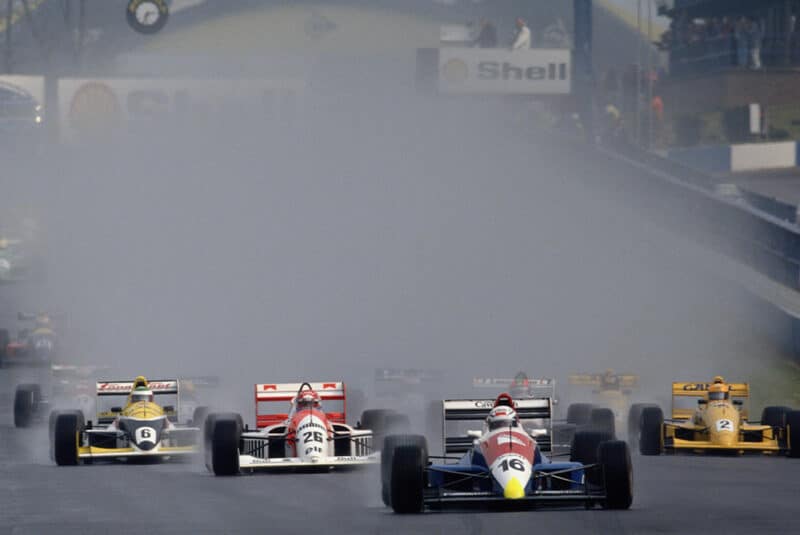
{"x": 142, "y": 429}
{"x": 714, "y": 417}
{"x": 611, "y": 393}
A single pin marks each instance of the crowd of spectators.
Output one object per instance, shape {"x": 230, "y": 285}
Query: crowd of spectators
{"x": 696, "y": 45}
{"x": 554, "y": 35}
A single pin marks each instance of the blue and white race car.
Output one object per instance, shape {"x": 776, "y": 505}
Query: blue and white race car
{"x": 502, "y": 466}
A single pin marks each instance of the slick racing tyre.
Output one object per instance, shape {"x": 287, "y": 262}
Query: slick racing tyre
{"x": 579, "y": 413}
{"x": 584, "y": 450}
{"x": 374, "y": 419}
{"x": 651, "y": 432}
{"x": 51, "y": 431}
{"x": 5, "y": 339}
{"x": 407, "y": 478}
{"x": 390, "y": 444}
{"x": 615, "y": 457}
{"x": 26, "y": 402}
{"x": 635, "y": 421}
{"x": 775, "y": 416}
{"x": 397, "y": 423}
{"x": 793, "y": 433}
{"x": 66, "y": 437}
{"x": 602, "y": 420}
{"x": 225, "y": 435}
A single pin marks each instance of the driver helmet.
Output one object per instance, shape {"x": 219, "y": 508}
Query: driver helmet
{"x": 520, "y": 385}
{"x": 500, "y": 417}
{"x": 718, "y": 391}
{"x": 141, "y": 393}
{"x": 308, "y": 399}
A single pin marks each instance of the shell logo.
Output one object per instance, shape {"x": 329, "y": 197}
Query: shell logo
{"x": 455, "y": 71}
{"x": 94, "y": 109}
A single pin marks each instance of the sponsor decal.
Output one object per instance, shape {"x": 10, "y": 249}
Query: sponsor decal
{"x": 509, "y": 438}
{"x": 94, "y": 108}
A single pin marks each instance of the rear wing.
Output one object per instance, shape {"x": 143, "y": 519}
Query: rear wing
{"x": 624, "y": 380}
{"x": 109, "y": 391}
{"x": 541, "y": 387}
{"x": 455, "y": 411}
{"x": 685, "y": 396}
{"x": 285, "y": 393}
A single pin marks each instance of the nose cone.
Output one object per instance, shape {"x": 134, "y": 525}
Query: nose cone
{"x": 513, "y": 489}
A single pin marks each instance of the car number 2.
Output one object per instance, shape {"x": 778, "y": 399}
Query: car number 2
{"x": 724, "y": 425}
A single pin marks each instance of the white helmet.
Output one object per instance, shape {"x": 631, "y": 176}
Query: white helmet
{"x": 502, "y": 416}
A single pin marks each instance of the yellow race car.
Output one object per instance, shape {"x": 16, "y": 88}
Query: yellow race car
{"x": 611, "y": 394}
{"x": 714, "y": 417}
{"x": 141, "y": 429}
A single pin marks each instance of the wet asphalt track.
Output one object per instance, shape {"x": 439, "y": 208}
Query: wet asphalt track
{"x": 673, "y": 494}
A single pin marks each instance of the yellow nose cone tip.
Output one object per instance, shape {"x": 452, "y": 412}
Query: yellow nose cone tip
{"x": 514, "y": 490}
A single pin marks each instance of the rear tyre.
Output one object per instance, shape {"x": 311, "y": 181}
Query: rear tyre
{"x": 651, "y": 432}
{"x": 635, "y": 421}
{"x": 585, "y": 444}
{"x": 397, "y": 423}
{"x": 775, "y": 416}
{"x": 579, "y": 413}
{"x": 66, "y": 435}
{"x": 390, "y": 444}
{"x": 26, "y": 402}
{"x": 374, "y": 419}
{"x": 407, "y": 478}
{"x": 51, "y": 432}
{"x": 5, "y": 339}
{"x": 603, "y": 420}
{"x": 225, "y": 435}
{"x": 615, "y": 457}
{"x": 793, "y": 433}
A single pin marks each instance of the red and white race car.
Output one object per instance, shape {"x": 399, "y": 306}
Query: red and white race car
{"x": 304, "y": 438}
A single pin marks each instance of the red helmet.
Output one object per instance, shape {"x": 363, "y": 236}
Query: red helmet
{"x": 308, "y": 399}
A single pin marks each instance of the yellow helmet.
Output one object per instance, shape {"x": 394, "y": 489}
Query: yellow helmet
{"x": 140, "y": 381}
{"x": 718, "y": 379}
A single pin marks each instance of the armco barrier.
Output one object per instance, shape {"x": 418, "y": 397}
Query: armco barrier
{"x": 739, "y": 158}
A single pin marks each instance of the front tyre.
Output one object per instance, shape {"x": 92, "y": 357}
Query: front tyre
{"x": 26, "y": 401}
{"x": 651, "y": 434}
{"x": 615, "y": 457}
{"x": 793, "y": 433}
{"x": 407, "y": 479}
{"x": 390, "y": 444}
{"x": 66, "y": 437}
{"x": 225, "y": 436}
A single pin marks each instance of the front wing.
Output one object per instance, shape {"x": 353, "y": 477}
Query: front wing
{"x": 251, "y": 463}
{"x": 95, "y": 452}
{"x": 583, "y": 492}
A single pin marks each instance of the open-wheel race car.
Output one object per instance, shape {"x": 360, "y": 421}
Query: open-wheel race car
{"x": 303, "y": 436}
{"x": 713, "y": 417}
{"x": 33, "y": 346}
{"x": 502, "y": 465}
{"x": 141, "y": 429}
{"x": 67, "y": 386}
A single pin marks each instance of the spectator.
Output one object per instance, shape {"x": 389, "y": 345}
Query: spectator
{"x": 522, "y": 37}
{"x": 754, "y": 38}
{"x": 487, "y": 37}
{"x": 740, "y": 34}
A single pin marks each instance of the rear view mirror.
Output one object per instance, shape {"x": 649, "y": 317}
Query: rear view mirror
{"x": 474, "y": 433}
{"x": 116, "y": 409}
{"x": 738, "y": 402}
{"x": 702, "y": 401}
{"x": 169, "y": 408}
